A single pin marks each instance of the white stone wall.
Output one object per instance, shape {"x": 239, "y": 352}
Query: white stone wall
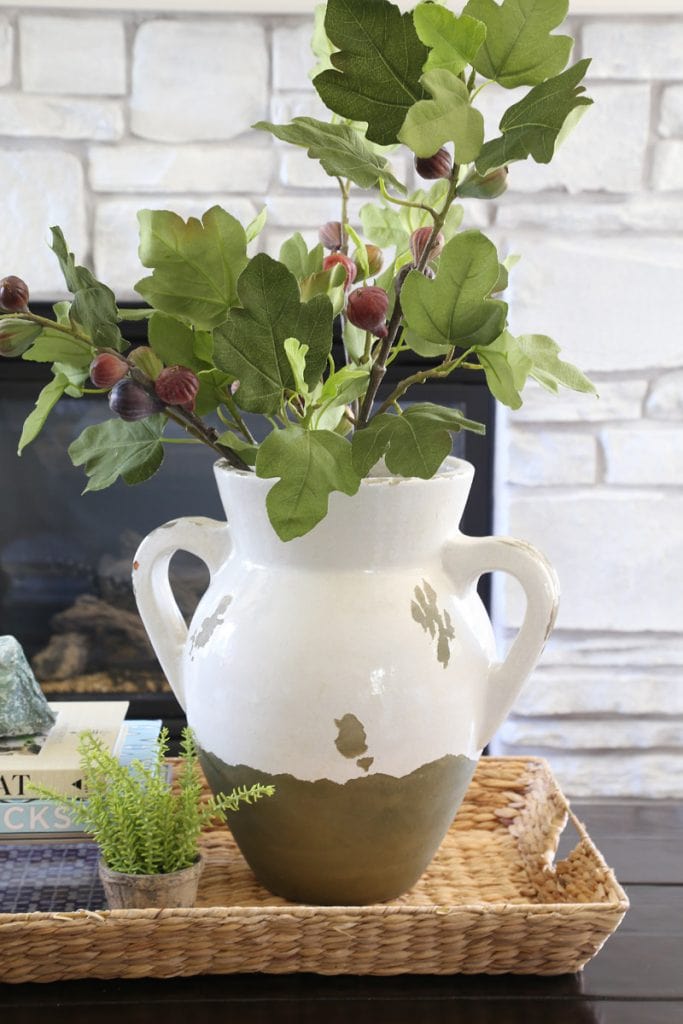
{"x": 103, "y": 114}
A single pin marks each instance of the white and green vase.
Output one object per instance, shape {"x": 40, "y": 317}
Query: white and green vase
{"x": 354, "y": 668}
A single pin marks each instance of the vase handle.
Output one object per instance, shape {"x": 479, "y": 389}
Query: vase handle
{"x": 209, "y": 540}
{"x": 465, "y": 560}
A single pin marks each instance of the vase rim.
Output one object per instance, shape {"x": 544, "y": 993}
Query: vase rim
{"x": 451, "y": 468}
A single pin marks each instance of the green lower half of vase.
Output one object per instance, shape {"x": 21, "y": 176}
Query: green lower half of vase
{"x": 363, "y": 841}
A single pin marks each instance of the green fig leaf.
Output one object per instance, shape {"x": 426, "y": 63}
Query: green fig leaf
{"x": 177, "y": 344}
{"x": 115, "y": 448}
{"x": 45, "y": 403}
{"x": 447, "y": 117}
{"x": 454, "y": 42}
{"x": 506, "y": 368}
{"x": 213, "y": 385}
{"x": 196, "y": 264}
{"x": 310, "y": 464}
{"x": 519, "y": 48}
{"x": 548, "y": 369}
{"x": 94, "y": 305}
{"x": 341, "y": 150}
{"x": 244, "y": 449}
{"x": 256, "y": 226}
{"x": 299, "y": 261}
{"x": 455, "y": 308}
{"x": 250, "y": 344}
{"x": 377, "y": 69}
{"x": 414, "y": 443}
{"x": 532, "y": 126}
{"x": 53, "y": 346}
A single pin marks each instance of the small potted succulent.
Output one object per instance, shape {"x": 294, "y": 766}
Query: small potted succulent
{"x": 147, "y": 829}
{"x": 340, "y": 650}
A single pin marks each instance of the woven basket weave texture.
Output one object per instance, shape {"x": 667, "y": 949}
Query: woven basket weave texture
{"x": 492, "y": 901}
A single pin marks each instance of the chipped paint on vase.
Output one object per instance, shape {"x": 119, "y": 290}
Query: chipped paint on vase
{"x": 352, "y": 655}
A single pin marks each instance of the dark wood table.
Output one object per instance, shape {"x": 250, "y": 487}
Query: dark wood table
{"x": 637, "y": 978}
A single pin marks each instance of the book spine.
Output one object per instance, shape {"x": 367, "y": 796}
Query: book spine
{"x": 25, "y": 818}
{"x": 16, "y": 784}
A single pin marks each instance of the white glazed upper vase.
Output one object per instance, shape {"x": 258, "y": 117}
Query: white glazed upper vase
{"x": 354, "y": 668}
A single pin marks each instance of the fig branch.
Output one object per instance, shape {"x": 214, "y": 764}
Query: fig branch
{"x": 434, "y": 167}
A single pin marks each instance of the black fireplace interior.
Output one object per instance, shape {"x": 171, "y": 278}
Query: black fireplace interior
{"x": 65, "y": 557}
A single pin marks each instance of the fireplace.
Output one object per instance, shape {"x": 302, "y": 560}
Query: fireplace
{"x": 65, "y": 558}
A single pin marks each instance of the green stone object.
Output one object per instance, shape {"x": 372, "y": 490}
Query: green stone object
{"x": 24, "y": 709}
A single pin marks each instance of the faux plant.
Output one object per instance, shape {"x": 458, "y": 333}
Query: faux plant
{"x": 233, "y": 334}
{"x": 143, "y": 825}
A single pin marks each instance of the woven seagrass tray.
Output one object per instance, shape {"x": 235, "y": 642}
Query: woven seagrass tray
{"x": 492, "y": 901}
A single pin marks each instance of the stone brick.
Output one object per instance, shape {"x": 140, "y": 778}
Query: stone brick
{"x": 642, "y": 455}
{"x": 299, "y": 212}
{"x": 665, "y": 401}
{"x": 613, "y": 649}
{"x": 60, "y": 117}
{"x": 116, "y": 233}
{"x": 40, "y": 188}
{"x": 600, "y": 691}
{"x": 671, "y": 114}
{"x": 6, "y": 45}
{"x": 537, "y": 458}
{"x": 198, "y": 80}
{"x": 588, "y": 295}
{"x": 147, "y": 167}
{"x": 591, "y": 734}
{"x": 634, "y": 49}
{"x": 667, "y": 171}
{"x": 292, "y": 56}
{"x": 618, "y": 400}
{"x": 617, "y": 554}
{"x": 285, "y": 107}
{"x": 598, "y": 155}
{"x": 82, "y": 56}
{"x": 656, "y": 775}
{"x": 645, "y": 212}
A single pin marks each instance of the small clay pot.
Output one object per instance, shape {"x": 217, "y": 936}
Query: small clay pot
{"x": 135, "y": 892}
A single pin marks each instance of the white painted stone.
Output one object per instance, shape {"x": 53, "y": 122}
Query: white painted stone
{"x": 198, "y": 80}
{"x": 618, "y": 556}
{"x": 299, "y": 212}
{"x": 644, "y": 212}
{"x": 60, "y": 117}
{"x": 116, "y": 233}
{"x": 644, "y": 454}
{"x": 667, "y": 171}
{"x": 6, "y": 47}
{"x": 656, "y": 775}
{"x": 40, "y": 188}
{"x": 671, "y": 114}
{"x": 665, "y": 401}
{"x": 292, "y": 56}
{"x": 614, "y": 649}
{"x": 634, "y": 49}
{"x": 618, "y": 400}
{"x": 285, "y": 107}
{"x": 601, "y": 691}
{"x": 596, "y": 734}
{"x": 147, "y": 167}
{"x": 298, "y": 171}
{"x": 82, "y": 56}
{"x": 599, "y": 155}
{"x": 540, "y": 457}
{"x": 602, "y": 298}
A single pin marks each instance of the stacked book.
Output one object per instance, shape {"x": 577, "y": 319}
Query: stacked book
{"x": 53, "y": 760}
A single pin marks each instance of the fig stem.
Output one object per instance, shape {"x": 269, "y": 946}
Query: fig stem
{"x": 231, "y": 406}
{"x": 442, "y": 370}
{"x": 52, "y": 324}
{"x": 395, "y": 324}
{"x": 406, "y": 202}
{"x": 345, "y": 188}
